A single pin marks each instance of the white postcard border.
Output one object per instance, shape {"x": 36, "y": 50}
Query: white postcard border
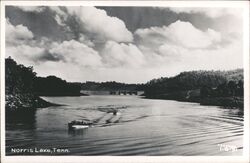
{"x": 195, "y": 159}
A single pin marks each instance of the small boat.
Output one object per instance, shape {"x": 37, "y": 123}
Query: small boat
{"x": 78, "y": 124}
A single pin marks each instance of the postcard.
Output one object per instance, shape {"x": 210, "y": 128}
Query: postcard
{"x": 124, "y": 81}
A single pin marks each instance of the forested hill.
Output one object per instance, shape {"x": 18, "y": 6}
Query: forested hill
{"x": 207, "y": 87}
{"x": 23, "y": 87}
{"x": 220, "y": 88}
{"x": 54, "y": 86}
{"x": 19, "y": 87}
{"x": 193, "y": 80}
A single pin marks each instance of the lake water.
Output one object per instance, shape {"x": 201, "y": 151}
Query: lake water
{"x": 141, "y": 127}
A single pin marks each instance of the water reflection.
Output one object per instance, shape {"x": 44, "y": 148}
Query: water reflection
{"x": 140, "y": 127}
{"x": 23, "y": 119}
{"x": 77, "y": 132}
{"x": 233, "y": 111}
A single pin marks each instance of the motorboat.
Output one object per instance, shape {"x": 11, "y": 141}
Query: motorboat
{"x": 79, "y": 124}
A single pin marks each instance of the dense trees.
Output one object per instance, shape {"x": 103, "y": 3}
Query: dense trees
{"x": 220, "y": 88}
{"x": 110, "y": 86}
{"x": 22, "y": 86}
{"x": 19, "y": 88}
{"x": 22, "y": 80}
{"x": 54, "y": 86}
{"x": 207, "y": 80}
{"x": 18, "y": 78}
{"x": 226, "y": 89}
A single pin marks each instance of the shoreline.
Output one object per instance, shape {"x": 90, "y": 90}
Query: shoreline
{"x": 227, "y": 102}
{"x": 25, "y": 102}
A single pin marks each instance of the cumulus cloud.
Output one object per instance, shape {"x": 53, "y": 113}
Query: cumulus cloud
{"x": 226, "y": 20}
{"x": 171, "y": 51}
{"x": 17, "y": 34}
{"x": 84, "y": 39}
{"x": 25, "y": 54}
{"x": 101, "y": 48}
{"x": 95, "y": 22}
{"x": 60, "y": 15}
{"x": 32, "y": 8}
{"x": 76, "y": 52}
{"x": 21, "y": 45}
{"x": 179, "y": 33}
{"x": 180, "y": 46}
{"x": 120, "y": 54}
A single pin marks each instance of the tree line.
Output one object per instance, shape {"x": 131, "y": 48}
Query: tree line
{"x": 20, "y": 79}
{"x": 110, "y": 86}
{"x": 227, "y": 89}
{"x": 211, "y": 83}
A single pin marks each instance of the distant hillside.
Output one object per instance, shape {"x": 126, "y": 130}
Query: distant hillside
{"x": 224, "y": 88}
{"x": 221, "y": 88}
{"x": 234, "y": 75}
{"x": 110, "y": 86}
{"x": 193, "y": 80}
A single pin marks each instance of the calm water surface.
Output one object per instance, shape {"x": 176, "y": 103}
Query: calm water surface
{"x": 142, "y": 127}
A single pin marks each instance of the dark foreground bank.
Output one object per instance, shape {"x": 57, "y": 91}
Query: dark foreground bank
{"x": 26, "y": 102}
{"x": 20, "y": 92}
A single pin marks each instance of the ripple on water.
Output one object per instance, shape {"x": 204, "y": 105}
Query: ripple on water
{"x": 142, "y": 127}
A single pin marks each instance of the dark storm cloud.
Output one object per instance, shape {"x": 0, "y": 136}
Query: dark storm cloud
{"x": 145, "y": 17}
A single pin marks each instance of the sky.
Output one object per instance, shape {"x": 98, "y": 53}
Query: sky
{"x": 123, "y": 44}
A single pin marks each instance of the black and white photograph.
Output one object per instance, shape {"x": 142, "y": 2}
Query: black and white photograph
{"x": 124, "y": 80}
